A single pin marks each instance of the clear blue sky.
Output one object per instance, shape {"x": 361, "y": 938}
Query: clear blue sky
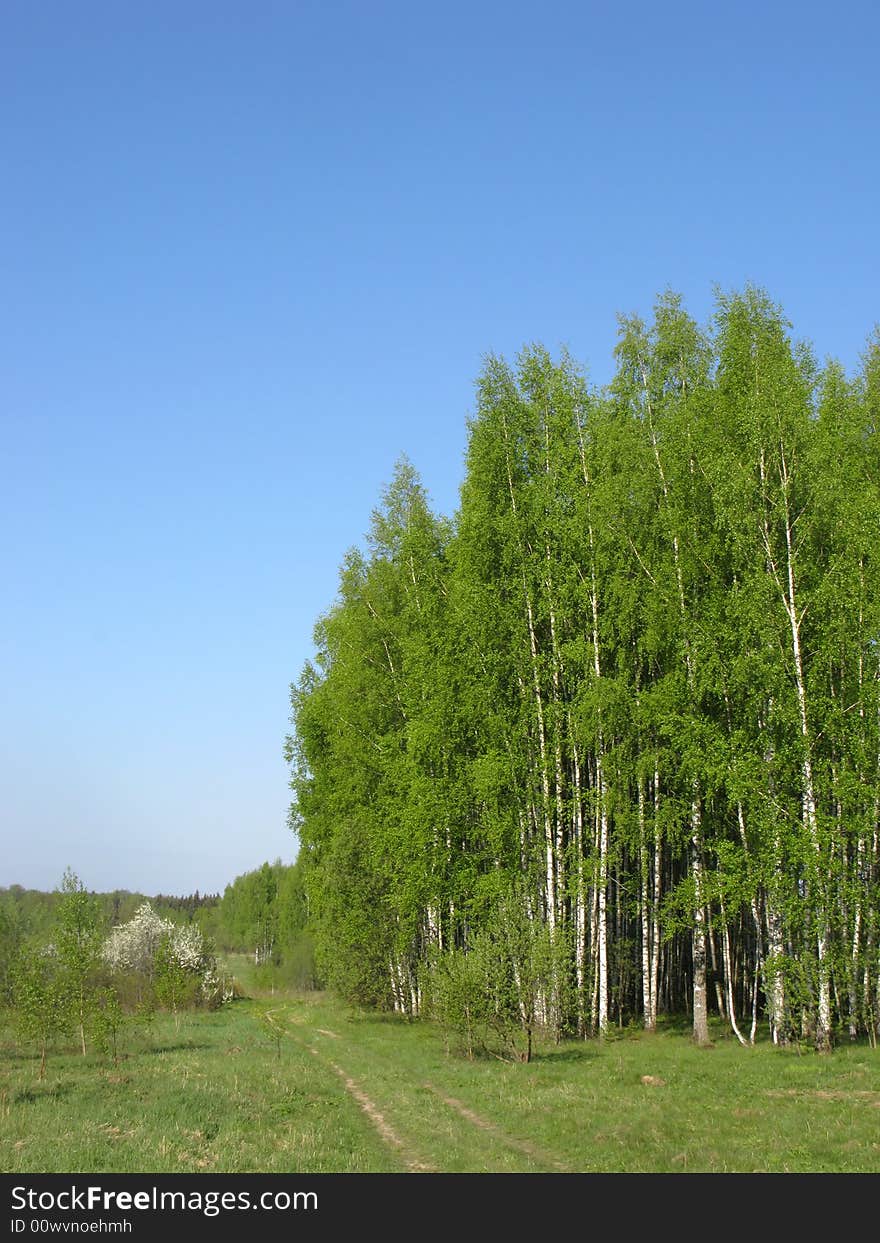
{"x": 251, "y": 253}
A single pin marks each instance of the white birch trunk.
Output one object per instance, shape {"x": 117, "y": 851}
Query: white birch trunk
{"x": 776, "y": 993}
{"x": 602, "y": 921}
{"x": 602, "y": 809}
{"x": 701, "y": 1030}
{"x": 658, "y": 879}
{"x": 701, "y": 1018}
{"x": 550, "y": 870}
{"x": 643, "y": 902}
{"x": 594, "y": 952}
{"x": 396, "y": 988}
{"x": 756, "y": 920}
{"x": 728, "y": 976}
{"x": 823, "y": 1024}
{"x": 861, "y": 848}
{"x": 580, "y": 908}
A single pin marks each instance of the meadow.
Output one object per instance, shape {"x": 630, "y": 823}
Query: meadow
{"x": 285, "y": 1081}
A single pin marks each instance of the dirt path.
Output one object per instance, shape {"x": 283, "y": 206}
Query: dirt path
{"x": 378, "y": 1119}
{"x": 387, "y": 1133}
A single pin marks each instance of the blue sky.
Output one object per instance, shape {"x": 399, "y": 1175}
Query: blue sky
{"x": 250, "y": 254}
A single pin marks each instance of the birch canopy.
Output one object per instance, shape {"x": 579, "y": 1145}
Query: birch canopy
{"x": 629, "y": 692}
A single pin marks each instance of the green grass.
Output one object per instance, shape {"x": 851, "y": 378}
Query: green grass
{"x": 213, "y": 1096}
{"x": 227, "y": 1092}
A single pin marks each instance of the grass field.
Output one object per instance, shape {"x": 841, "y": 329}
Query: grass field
{"x": 299, "y": 1083}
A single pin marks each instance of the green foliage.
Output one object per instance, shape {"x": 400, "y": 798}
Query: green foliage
{"x": 265, "y": 912}
{"x": 459, "y": 1000}
{"x": 175, "y": 987}
{"x": 33, "y": 911}
{"x": 41, "y": 1000}
{"x": 493, "y": 996}
{"x": 635, "y": 683}
{"x": 11, "y": 940}
{"x": 108, "y": 1022}
{"x": 78, "y": 937}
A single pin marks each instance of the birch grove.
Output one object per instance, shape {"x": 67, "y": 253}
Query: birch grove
{"x": 631, "y": 690}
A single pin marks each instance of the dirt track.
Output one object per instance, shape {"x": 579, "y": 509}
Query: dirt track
{"x": 303, "y": 1035}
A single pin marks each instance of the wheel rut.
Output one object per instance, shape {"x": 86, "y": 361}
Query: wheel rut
{"x": 378, "y": 1119}
{"x": 509, "y": 1141}
{"x": 386, "y": 1131}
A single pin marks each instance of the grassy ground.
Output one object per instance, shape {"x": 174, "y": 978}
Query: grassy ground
{"x": 284, "y": 1082}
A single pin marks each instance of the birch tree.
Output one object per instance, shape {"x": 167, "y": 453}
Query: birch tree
{"x": 630, "y": 689}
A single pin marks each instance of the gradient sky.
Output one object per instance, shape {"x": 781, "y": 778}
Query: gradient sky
{"x": 251, "y": 253}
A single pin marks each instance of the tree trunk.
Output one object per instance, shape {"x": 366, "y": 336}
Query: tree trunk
{"x": 823, "y": 1017}
{"x": 644, "y": 910}
{"x": 701, "y": 1018}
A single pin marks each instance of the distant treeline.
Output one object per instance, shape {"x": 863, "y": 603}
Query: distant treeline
{"x": 607, "y": 744}
{"x": 32, "y": 911}
{"x": 265, "y": 913}
{"x": 262, "y": 912}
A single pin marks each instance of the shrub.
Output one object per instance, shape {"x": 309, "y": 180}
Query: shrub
{"x": 175, "y": 958}
{"x": 107, "y": 1022}
{"x": 502, "y": 987}
{"x": 41, "y": 1000}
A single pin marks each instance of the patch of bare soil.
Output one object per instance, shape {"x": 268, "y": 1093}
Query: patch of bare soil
{"x": 825, "y": 1094}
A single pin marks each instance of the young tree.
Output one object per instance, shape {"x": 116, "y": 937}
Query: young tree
{"x": 175, "y": 984}
{"x": 79, "y": 935}
{"x": 108, "y": 1021}
{"x": 41, "y": 1000}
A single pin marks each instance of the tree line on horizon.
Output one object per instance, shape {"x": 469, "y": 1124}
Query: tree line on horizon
{"x": 29, "y": 913}
{"x": 605, "y": 745}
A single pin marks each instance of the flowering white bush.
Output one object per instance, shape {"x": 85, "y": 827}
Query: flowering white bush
{"x": 215, "y": 988}
{"x": 133, "y": 947}
{"x": 188, "y": 946}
